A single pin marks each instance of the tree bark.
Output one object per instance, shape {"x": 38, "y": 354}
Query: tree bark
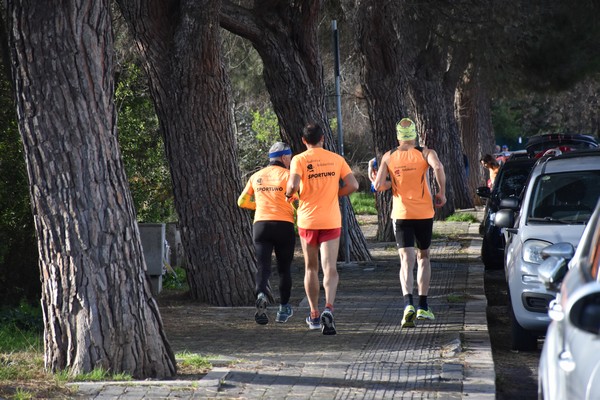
{"x": 284, "y": 34}
{"x": 414, "y": 53}
{"x": 474, "y": 118}
{"x": 383, "y": 91}
{"x": 179, "y": 41}
{"x": 97, "y": 304}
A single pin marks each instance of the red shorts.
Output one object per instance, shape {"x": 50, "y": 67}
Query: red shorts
{"x": 315, "y": 237}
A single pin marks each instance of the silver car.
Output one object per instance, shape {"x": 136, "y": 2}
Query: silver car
{"x": 570, "y": 363}
{"x": 558, "y": 200}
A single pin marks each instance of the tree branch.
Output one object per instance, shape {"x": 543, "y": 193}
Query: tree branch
{"x": 239, "y": 21}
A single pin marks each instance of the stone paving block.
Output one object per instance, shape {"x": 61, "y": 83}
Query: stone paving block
{"x": 372, "y": 357}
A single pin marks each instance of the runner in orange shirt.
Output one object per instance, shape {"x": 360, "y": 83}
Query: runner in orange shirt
{"x": 273, "y": 229}
{"x": 315, "y": 175}
{"x": 412, "y": 212}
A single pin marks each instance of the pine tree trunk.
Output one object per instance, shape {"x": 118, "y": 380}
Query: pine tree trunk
{"x": 181, "y": 47}
{"x": 383, "y": 92}
{"x": 96, "y": 299}
{"x": 409, "y": 68}
{"x": 475, "y": 125}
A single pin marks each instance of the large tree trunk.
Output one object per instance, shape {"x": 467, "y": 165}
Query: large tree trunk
{"x": 383, "y": 92}
{"x": 475, "y": 124}
{"x": 180, "y": 44}
{"x": 97, "y": 304}
{"x": 427, "y": 68}
{"x": 284, "y": 34}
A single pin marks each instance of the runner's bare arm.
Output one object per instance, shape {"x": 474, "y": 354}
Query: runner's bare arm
{"x": 350, "y": 185}
{"x": 440, "y": 176}
{"x": 292, "y": 186}
{"x": 382, "y": 183}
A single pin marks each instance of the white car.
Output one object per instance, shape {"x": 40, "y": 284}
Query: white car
{"x": 570, "y": 363}
{"x": 557, "y": 202}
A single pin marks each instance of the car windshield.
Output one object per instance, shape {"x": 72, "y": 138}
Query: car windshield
{"x": 568, "y": 197}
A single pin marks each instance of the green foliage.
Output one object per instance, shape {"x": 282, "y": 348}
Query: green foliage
{"x": 265, "y": 126}
{"x": 462, "y": 217}
{"x": 143, "y": 148}
{"x": 24, "y": 317}
{"x": 175, "y": 281}
{"x": 363, "y": 203}
{"x": 563, "y": 48}
{"x": 257, "y": 132}
{"x": 507, "y": 124}
{"x": 19, "y": 275}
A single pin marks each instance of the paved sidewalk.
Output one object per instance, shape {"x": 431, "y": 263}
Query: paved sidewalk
{"x": 371, "y": 357}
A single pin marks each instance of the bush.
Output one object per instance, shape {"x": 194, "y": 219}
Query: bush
{"x": 176, "y": 281}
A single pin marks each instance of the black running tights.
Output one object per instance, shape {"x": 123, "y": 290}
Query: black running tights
{"x": 278, "y": 236}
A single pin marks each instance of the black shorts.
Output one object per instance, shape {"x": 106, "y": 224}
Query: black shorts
{"x": 409, "y": 231}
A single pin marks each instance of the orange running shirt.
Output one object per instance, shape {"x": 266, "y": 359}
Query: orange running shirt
{"x": 268, "y": 187}
{"x": 320, "y": 173}
{"x": 410, "y": 189}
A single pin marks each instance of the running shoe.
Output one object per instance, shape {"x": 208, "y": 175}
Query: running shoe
{"x": 327, "y": 323}
{"x": 261, "y": 317}
{"x": 284, "y": 313}
{"x": 408, "y": 320}
{"x": 313, "y": 323}
{"x": 425, "y": 314}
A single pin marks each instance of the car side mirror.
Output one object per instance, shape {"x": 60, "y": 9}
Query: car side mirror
{"x": 583, "y": 308}
{"x": 511, "y": 203}
{"x": 562, "y": 250}
{"x": 483, "y": 191}
{"x": 555, "y": 265}
{"x": 504, "y": 218}
{"x": 552, "y": 271}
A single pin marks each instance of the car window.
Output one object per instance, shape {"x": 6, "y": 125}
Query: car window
{"x": 512, "y": 181}
{"x": 568, "y": 197}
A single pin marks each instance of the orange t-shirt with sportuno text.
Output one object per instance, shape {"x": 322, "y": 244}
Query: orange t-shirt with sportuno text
{"x": 268, "y": 187}
{"x": 410, "y": 189}
{"x": 320, "y": 171}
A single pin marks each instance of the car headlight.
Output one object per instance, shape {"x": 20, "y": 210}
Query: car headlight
{"x": 532, "y": 251}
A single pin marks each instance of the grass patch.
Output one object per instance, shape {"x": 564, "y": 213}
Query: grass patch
{"x": 363, "y": 203}
{"x": 96, "y": 375}
{"x": 462, "y": 217}
{"x": 21, "y": 394}
{"x": 14, "y": 339}
{"x": 192, "y": 363}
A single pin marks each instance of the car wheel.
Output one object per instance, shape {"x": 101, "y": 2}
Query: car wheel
{"x": 489, "y": 257}
{"x": 521, "y": 339}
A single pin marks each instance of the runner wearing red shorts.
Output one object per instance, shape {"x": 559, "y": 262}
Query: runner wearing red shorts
{"x": 315, "y": 175}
